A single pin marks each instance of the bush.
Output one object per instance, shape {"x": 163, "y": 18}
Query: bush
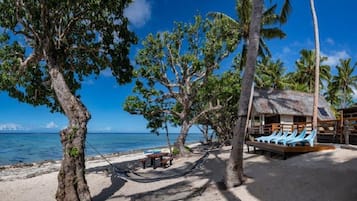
{"x": 175, "y": 151}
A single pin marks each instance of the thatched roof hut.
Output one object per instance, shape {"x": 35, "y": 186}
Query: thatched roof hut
{"x": 289, "y": 103}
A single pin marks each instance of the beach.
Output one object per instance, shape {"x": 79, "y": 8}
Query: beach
{"x": 325, "y": 175}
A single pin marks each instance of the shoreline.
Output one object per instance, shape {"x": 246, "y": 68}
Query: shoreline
{"x": 87, "y": 158}
{"x": 310, "y": 176}
{"x": 29, "y": 170}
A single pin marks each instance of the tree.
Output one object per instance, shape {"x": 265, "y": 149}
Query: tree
{"x": 305, "y": 73}
{"x": 173, "y": 66}
{"x": 271, "y": 74}
{"x": 269, "y": 29}
{"x": 317, "y": 65}
{"x": 331, "y": 95}
{"x": 47, "y": 47}
{"x": 224, "y": 89}
{"x": 234, "y": 170}
{"x": 344, "y": 82}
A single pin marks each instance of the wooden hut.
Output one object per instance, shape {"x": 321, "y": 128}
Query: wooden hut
{"x": 283, "y": 109}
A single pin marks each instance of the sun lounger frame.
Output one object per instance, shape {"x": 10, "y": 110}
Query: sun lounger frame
{"x": 285, "y": 150}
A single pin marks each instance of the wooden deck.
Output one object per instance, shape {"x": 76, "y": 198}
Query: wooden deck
{"x": 285, "y": 150}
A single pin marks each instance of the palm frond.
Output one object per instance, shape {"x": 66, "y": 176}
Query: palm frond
{"x": 221, "y": 16}
{"x": 285, "y": 11}
{"x": 263, "y": 49}
{"x": 271, "y": 33}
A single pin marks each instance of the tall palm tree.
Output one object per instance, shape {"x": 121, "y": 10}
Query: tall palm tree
{"x": 331, "y": 95}
{"x": 271, "y": 74}
{"x": 242, "y": 24}
{"x": 305, "y": 73}
{"x": 344, "y": 82}
{"x": 234, "y": 171}
{"x": 317, "y": 65}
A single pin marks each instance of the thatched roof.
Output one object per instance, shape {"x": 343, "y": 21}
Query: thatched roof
{"x": 287, "y": 102}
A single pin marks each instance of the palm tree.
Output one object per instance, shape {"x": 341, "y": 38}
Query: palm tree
{"x": 305, "y": 73}
{"x": 234, "y": 170}
{"x": 317, "y": 65}
{"x": 344, "y": 82}
{"x": 271, "y": 74}
{"x": 331, "y": 95}
{"x": 242, "y": 24}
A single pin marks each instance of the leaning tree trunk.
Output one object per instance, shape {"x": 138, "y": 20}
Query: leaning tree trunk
{"x": 181, "y": 139}
{"x": 167, "y": 137}
{"x": 72, "y": 184}
{"x": 234, "y": 170}
{"x": 317, "y": 66}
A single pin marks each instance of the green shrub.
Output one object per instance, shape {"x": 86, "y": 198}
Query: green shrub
{"x": 175, "y": 151}
{"x": 188, "y": 148}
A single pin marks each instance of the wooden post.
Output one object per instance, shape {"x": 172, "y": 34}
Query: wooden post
{"x": 346, "y": 131}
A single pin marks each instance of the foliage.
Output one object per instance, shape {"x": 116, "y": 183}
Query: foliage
{"x": 173, "y": 66}
{"x": 305, "y": 72}
{"x": 83, "y": 37}
{"x": 271, "y": 22}
{"x": 46, "y": 50}
{"x": 271, "y": 74}
{"x": 342, "y": 85}
{"x": 175, "y": 151}
{"x": 331, "y": 95}
{"x": 223, "y": 90}
{"x": 73, "y": 152}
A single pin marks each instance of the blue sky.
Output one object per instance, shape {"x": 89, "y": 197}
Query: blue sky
{"x": 104, "y": 98}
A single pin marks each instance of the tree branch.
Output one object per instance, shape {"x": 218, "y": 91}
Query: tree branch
{"x": 172, "y": 62}
{"x": 33, "y": 58}
{"x": 20, "y": 4}
{"x": 68, "y": 28}
{"x": 210, "y": 109}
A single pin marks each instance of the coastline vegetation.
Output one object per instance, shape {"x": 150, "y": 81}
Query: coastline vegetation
{"x": 179, "y": 80}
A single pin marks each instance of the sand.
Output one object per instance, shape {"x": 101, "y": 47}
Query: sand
{"x": 326, "y": 175}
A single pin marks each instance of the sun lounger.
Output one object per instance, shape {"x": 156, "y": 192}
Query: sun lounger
{"x": 289, "y": 137}
{"x": 268, "y": 139}
{"x": 276, "y": 139}
{"x": 260, "y": 139}
{"x": 308, "y": 139}
{"x": 301, "y": 136}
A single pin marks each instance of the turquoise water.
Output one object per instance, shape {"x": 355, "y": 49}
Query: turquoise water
{"x": 34, "y": 147}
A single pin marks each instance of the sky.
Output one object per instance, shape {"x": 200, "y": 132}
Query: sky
{"x": 104, "y": 98}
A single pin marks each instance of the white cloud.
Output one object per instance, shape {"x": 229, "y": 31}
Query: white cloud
{"x": 51, "y": 125}
{"x": 138, "y": 12}
{"x": 10, "y": 127}
{"x": 330, "y": 41}
{"x": 286, "y": 50}
{"x": 334, "y": 57}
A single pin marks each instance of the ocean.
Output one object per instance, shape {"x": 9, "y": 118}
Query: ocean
{"x": 35, "y": 147}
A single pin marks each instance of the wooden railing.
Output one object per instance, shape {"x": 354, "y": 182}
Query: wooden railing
{"x": 336, "y": 129}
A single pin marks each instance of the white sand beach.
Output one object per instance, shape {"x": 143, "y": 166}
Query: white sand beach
{"x": 326, "y": 175}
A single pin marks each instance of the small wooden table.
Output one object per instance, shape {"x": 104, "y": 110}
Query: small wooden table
{"x": 153, "y": 158}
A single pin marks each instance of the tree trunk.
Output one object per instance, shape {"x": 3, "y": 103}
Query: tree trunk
{"x": 317, "y": 67}
{"x": 72, "y": 185}
{"x": 204, "y": 131}
{"x": 167, "y": 137}
{"x": 234, "y": 170}
{"x": 181, "y": 140}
